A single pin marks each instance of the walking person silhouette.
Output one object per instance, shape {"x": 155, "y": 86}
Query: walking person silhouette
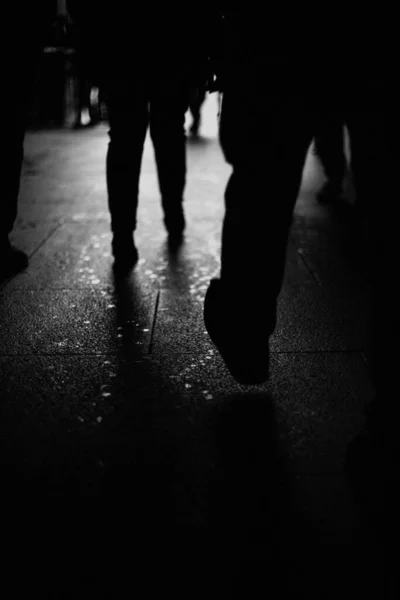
{"x": 145, "y": 64}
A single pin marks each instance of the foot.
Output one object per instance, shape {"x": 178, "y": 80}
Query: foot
{"x": 175, "y": 223}
{"x": 245, "y": 353}
{"x": 124, "y": 252}
{"x": 12, "y": 260}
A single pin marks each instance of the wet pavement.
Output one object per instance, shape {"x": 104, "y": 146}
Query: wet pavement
{"x": 113, "y": 391}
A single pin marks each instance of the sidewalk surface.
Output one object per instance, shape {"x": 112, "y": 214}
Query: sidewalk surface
{"x": 116, "y": 390}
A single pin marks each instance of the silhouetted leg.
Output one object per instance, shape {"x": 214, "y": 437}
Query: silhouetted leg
{"x": 266, "y": 146}
{"x": 127, "y": 107}
{"x": 374, "y": 165}
{"x": 19, "y": 76}
{"x": 168, "y": 105}
{"x": 52, "y": 107}
{"x": 196, "y": 99}
{"x": 93, "y": 104}
{"x": 13, "y": 136}
{"x": 16, "y": 97}
{"x": 373, "y": 457}
{"x": 265, "y": 139}
{"x": 81, "y": 90}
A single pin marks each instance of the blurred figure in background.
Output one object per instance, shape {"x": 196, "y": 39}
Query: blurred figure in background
{"x": 86, "y": 94}
{"x": 88, "y": 100}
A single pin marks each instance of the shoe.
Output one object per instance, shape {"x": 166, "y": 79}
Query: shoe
{"x": 175, "y": 224}
{"x": 125, "y": 253}
{"x": 239, "y": 345}
{"x": 12, "y": 260}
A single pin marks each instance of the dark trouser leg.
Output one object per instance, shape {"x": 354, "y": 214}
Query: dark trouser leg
{"x": 266, "y": 146}
{"x": 93, "y": 105}
{"x": 329, "y": 144}
{"x": 12, "y": 163}
{"x": 168, "y": 105}
{"x": 52, "y": 106}
{"x": 12, "y": 260}
{"x": 19, "y": 75}
{"x": 373, "y": 138}
{"x": 196, "y": 99}
{"x": 373, "y": 457}
{"x": 127, "y": 107}
{"x": 81, "y": 89}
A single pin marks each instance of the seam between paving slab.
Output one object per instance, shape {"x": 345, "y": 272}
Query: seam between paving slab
{"x": 153, "y": 326}
{"x": 149, "y": 352}
{"x": 46, "y": 239}
{"x": 307, "y": 265}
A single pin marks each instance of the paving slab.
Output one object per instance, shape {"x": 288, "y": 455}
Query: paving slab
{"x": 29, "y": 236}
{"x": 317, "y": 400}
{"x": 75, "y": 321}
{"x": 307, "y": 320}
